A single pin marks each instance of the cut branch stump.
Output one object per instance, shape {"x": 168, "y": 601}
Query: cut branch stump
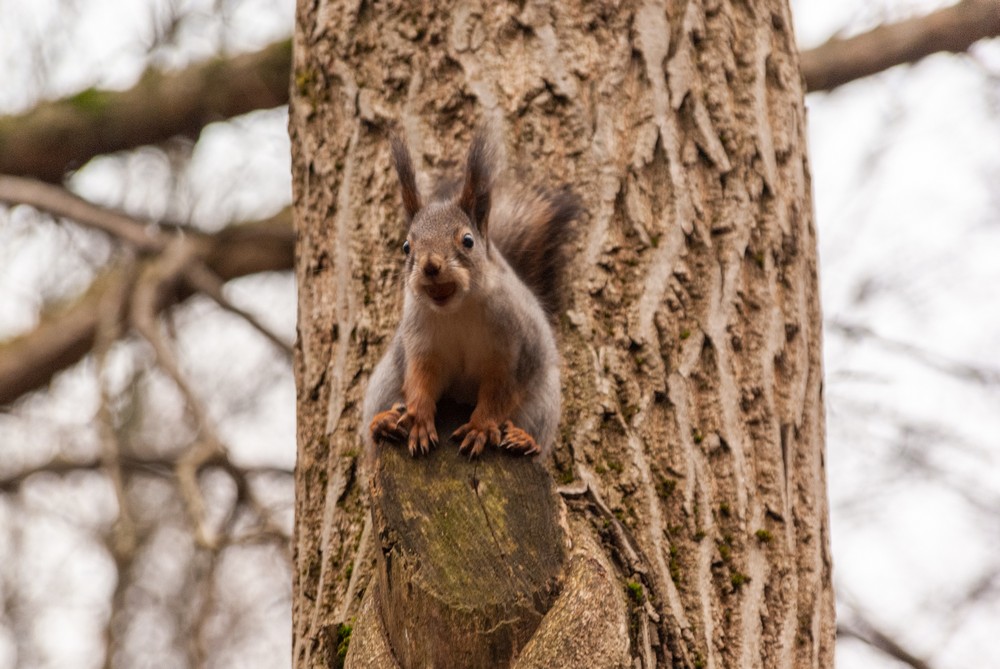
{"x": 470, "y": 553}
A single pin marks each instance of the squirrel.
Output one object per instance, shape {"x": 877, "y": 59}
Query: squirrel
{"x": 483, "y": 265}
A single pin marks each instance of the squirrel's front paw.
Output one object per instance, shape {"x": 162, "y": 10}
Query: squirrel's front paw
{"x": 385, "y": 425}
{"x": 517, "y": 440}
{"x": 399, "y": 425}
{"x": 423, "y": 434}
{"x": 476, "y": 435}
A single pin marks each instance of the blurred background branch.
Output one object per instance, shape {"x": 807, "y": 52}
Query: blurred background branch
{"x": 61, "y": 135}
{"x": 953, "y": 29}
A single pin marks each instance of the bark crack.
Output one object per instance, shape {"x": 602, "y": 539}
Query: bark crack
{"x": 345, "y": 298}
{"x": 474, "y": 484}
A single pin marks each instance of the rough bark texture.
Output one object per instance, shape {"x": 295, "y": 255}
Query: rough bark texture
{"x": 691, "y": 451}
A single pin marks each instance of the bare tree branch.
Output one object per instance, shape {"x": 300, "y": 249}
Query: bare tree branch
{"x": 30, "y": 361}
{"x": 953, "y": 29}
{"x": 58, "y": 136}
{"x": 205, "y": 281}
{"x": 157, "y": 278}
{"x": 60, "y": 202}
{"x": 863, "y": 630}
{"x": 159, "y": 466}
{"x": 124, "y": 538}
{"x": 980, "y": 374}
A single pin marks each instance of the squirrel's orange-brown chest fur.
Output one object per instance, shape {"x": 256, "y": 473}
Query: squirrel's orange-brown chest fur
{"x": 461, "y": 347}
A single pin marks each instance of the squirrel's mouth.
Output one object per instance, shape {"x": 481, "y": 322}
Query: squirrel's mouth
{"x": 440, "y": 293}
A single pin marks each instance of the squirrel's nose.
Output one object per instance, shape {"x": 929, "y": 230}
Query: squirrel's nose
{"x": 432, "y": 266}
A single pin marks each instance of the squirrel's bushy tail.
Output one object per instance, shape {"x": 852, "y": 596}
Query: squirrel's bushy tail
{"x": 532, "y": 229}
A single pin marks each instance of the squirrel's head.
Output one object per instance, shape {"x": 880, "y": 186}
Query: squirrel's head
{"x": 446, "y": 245}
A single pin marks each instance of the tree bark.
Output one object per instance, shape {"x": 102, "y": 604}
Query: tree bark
{"x": 691, "y": 448}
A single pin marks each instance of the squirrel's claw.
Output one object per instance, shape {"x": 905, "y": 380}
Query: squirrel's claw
{"x": 400, "y": 426}
{"x": 422, "y": 433}
{"x": 475, "y": 437}
{"x": 474, "y": 443}
{"x": 422, "y": 437}
{"x": 517, "y": 440}
{"x": 386, "y": 425}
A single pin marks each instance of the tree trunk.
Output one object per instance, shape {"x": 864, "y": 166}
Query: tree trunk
{"x": 691, "y": 449}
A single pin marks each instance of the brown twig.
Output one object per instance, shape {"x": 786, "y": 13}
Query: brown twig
{"x": 206, "y": 281}
{"x": 268, "y": 527}
{"x": 208, "y": 448}
{"x": 157, "y": 278}
{"x": 123, "y": 540}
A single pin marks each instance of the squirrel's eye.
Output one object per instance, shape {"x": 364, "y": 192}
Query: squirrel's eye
{"x": 406, "y": 247}
{"x": 468, "y": 241}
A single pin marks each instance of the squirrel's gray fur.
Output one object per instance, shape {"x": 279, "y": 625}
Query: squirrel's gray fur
{"x": 483, "y": 273}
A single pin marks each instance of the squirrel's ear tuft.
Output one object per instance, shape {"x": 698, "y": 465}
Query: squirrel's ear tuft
{"x": 475, "y": 197}
{"x": 407, "y": 179}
